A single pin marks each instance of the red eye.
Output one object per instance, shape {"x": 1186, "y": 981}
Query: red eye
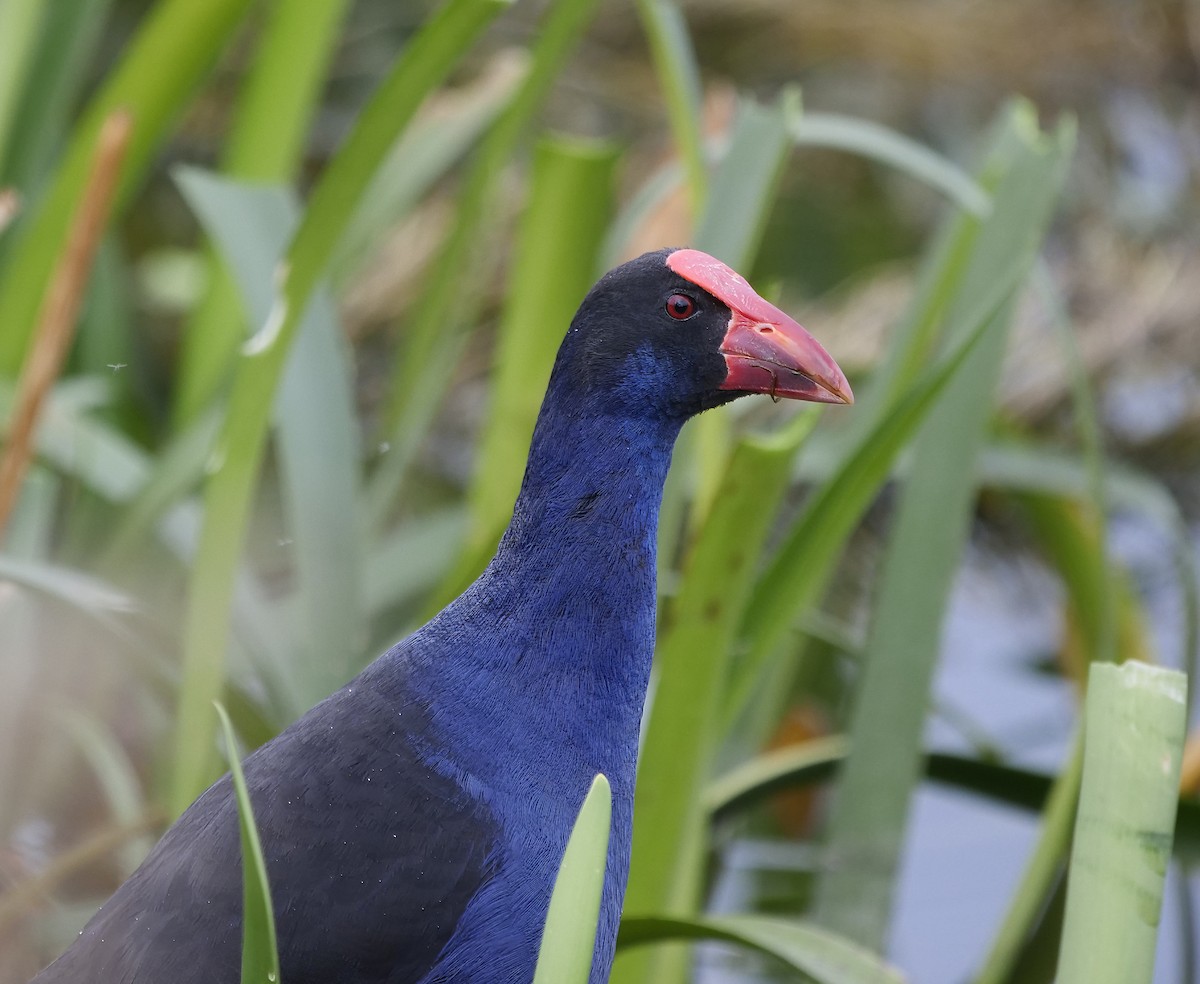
{"x": 680, "y": 306}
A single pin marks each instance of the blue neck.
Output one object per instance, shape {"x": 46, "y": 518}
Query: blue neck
{"x": 552, "y": 647}
{"x": 586, "y": 521}
{"x": 589, "y": 502}
{"x": 566, "y": 607}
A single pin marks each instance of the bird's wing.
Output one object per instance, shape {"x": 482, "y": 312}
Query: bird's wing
{"x": 372, "y": 856}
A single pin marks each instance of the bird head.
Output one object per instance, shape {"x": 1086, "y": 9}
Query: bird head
{"x": 677, "y": 331}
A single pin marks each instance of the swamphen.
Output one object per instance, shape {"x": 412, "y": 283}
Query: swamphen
{"x": 413, "y": 822}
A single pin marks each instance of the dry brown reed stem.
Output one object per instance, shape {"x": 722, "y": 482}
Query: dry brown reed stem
{"x": 60, "y": 307}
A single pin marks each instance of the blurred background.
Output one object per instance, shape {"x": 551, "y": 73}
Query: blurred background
{"x": 97, "y": 556}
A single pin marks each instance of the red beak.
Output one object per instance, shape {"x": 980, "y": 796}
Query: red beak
{"x": 765, "y": 351}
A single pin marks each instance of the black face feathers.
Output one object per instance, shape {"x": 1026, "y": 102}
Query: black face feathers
{"x": 629, "y": 347}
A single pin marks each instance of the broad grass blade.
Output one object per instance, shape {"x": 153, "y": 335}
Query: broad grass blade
{"x": 1103, "y": 633}
{"x": 794, "y": 577}
{"x": 317, "y": 437}
{"x": 1136, "y": 718}
{"x": 679, "y": 75}
{"x": 809, "y": 950}
{"x": 650, "y": 196}
{"x": 670, "y": 833}
{"x": 571, "y": 203}
{"x": 569, "y": 937}
{"x": 743, "y": 187}
{"x": 914, "y": 341}
{"x": 445, "y": 312}
{"x": 882, "y": 144}
{"x": 50, "y": 86}
{"x": 1027, "y": 933}
{"x": 869, "y": 814}
{"x": 1029, "y": 470}
{"x": 265, "y": 144}
{"x": 436, "y": 141}
{"x": 275, "y": 107}
{"x": 817, "y": 760}
{"x": 89, "y": 594}
{"x": 20, "y": 23}
{"x": 1104, "y": 614}
{"x": 781, "y": 768}
{"x": 731, "y": 228}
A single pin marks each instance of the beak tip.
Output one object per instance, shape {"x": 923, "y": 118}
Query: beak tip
{"x": 835, "y": 383}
